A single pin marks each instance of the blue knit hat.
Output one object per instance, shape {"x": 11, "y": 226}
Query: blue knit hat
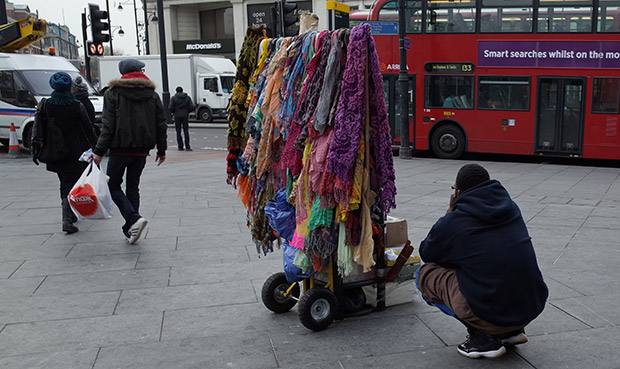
{"x": 61, "y": 82}
{"x": 130, "y": 65}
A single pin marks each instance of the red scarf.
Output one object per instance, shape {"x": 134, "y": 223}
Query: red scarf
{"x": 138, "y": 75}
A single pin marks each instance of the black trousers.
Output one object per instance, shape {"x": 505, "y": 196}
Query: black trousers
{"x": 182, "y": 123}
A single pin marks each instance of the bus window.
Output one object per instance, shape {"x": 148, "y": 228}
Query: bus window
{"x": 606, "y": 95}
{"x": 608, "y": 16}
{"x": 413, "y": 14}
{"x": 356, "y": 16}
{"x": 449, "y": 92}
{"x": 503, "y": 93}
{"x": 496, "y": 16}
{"x": 451, "y": 17}
{"x": 573, "y": 17}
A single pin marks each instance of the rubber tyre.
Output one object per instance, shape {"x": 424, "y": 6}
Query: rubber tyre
{"x": 317, "y": 308}
{"x": 5, "y": 141}
{"x": 27, "y": 136}
{"x": 448, "y": 142}
{"x": 205, "y": 115}
{"x": 273, "y": 291}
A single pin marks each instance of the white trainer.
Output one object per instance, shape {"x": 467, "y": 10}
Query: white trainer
{"x": 136, "y": 230}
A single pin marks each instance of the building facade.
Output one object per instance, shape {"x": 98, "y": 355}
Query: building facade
{"x": 62, "y": 40}
{"x": 218, "y": 27}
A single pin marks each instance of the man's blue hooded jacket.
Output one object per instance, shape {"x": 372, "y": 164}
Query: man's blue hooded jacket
{"x": 484, "y": 238}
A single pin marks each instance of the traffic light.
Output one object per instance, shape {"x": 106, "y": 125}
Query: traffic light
{"x": 273, "y": 27}
{"x": 289, "y": 18}
{"x": 95, "y": 49}
{"x": 98, "y": 24}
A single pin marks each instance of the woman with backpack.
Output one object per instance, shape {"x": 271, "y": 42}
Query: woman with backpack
{"x": 61, "y": 133}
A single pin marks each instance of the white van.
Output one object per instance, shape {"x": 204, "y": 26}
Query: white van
{"x": 24, "y": 81}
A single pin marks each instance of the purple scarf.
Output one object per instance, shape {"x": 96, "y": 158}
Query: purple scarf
{"x": 351, "y": 114}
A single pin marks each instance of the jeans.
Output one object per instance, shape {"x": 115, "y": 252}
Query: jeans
{"x": 128, "y": 202}
{"x": 179, "y": 123}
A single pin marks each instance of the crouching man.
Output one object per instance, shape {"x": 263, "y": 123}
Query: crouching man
{"x": 480, "y": 266}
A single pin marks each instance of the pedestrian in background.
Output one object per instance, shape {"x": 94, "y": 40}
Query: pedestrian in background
{"x": 480, "y": 266}
{"x": 80, "y": 91}
{"x": 78, "y": 135}
{"x": 181, "y": 105}
{"x": 133, "y": 123}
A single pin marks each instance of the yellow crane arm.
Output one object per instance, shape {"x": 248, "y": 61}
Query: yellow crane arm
{"x": 22, "y": 33}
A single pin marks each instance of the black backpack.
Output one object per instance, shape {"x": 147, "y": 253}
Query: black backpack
{"x": 48, "y": 142}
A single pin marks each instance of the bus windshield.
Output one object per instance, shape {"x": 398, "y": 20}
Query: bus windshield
{"x": 39, "y": 81}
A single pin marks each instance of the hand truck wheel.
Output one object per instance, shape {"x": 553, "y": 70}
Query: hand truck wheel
{"x": 274, "y": 294}
{"x": 317, "y": 308}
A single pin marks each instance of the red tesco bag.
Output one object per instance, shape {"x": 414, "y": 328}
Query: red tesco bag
{"x": 84, "y": 200}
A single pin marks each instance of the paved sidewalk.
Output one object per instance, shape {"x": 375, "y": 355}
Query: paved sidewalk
{"x": 188, "y": 294}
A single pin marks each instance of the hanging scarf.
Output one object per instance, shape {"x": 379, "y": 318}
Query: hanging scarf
{"x": 330, "y": 79}
{"x": 383, "y": 177}
{"x": 238, "y": 103}
{"x": 348, "y": 122}
{"x": 293, "y": 81}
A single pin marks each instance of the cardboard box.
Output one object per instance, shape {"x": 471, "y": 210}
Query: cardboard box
{"x": 395, "y": 232}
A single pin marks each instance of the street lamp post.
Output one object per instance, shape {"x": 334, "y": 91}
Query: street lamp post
{"x": 403, "y": 81}
{"x": 107, "y": 8}
{"x": 146, "y": 29}
{"x": 135, "y": 17}
{"x": 163, "y": 59}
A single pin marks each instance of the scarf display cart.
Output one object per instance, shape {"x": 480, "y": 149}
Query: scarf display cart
{"x": 310, "y": 153}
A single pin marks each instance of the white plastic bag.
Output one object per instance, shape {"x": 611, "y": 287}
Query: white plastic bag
{"x": 90, "y": 196}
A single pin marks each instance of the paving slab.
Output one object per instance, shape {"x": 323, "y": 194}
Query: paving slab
{"x": 81, "y": 359}
{"x": 188, "y": 294}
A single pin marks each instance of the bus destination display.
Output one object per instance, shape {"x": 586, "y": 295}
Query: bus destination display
{"x": 449, "y": 67}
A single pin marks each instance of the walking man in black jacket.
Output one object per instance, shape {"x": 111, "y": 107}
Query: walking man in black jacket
{"x": 480, "y": 266}
{"x": 181, "y": 105}
{"x": 133, "y": 123}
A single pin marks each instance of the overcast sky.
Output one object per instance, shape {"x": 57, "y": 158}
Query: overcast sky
{"x": 69, "y": 12}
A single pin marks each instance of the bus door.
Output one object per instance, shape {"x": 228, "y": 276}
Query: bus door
{"x": 391, "y": 90}
{"x": 560, "y": 115}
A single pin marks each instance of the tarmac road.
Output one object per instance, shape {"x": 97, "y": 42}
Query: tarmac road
{"x": 188, "y": 294}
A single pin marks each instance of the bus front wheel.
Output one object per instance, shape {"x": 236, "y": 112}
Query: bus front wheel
{"x": 448, "y": 142}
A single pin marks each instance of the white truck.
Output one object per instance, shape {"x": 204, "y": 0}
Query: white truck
{"x": 208, "y": 80}
{"x": 24, "y": 81}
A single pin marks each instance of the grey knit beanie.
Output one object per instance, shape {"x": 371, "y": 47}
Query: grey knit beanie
{"x": 79, "y": 87}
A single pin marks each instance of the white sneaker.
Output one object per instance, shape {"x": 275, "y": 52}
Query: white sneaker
{"x": 515, "y": 339}
{"x": 136, "y": 230}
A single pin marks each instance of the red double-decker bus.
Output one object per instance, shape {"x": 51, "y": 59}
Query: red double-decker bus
{"x": 527, "y": 77}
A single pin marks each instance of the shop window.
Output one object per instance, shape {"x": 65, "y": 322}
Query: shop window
{"x": 454, "y": 92}
{"x": 606, "y": 95}
{"x": 503, "y": 93}
{"x": 217, "y": 24}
